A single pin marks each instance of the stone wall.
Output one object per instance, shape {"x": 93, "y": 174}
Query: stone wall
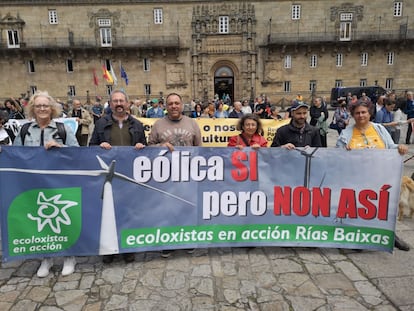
{"x": 185, "y": 50}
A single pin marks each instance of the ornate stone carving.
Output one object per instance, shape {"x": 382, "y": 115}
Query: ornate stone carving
{"x": 271, "y": 71}
{"x": 8, "y": 19}
{"x": 175, "y": 74}
{"x": 347, "y": 8}
{"x": 206, "y": 17}
{"x": 105, "y": 13}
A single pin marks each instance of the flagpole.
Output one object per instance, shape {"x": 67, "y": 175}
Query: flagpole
{"x": 120, "y": 70}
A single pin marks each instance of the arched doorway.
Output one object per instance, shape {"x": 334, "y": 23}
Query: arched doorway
{"x": 223, "y": 83}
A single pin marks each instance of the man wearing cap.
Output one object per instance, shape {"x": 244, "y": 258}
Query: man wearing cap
{"x": 298, "y": 133}
{"x": 155, "y": 111}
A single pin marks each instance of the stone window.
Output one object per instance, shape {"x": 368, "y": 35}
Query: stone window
{"x": 105, "y": 32}
{"x": 71, "y": 90}
{"x": 146, "y": 64}
{"x": 147, "y": 89}
{"x": 389, "y": 83}
{"x": 398, "y": 5}
{"x": 287, "y": 86}
{"x": 69, "y": 65}
{"x": 33, "y": 89}
{"x": 339, "y": 59}
{"x": 104, "y": 22}
{"x": 363, "y": 82}
{"x": 313, "y": 61}
{"x": 346, "y": 17}
{"x": 13, "y": 40}
{"x": 364, "y": 59}
{"x": 31, "y": 66}
{"x": 288, "y": 61}
{"x": 157, "y": 16}
{"x": 338, "y": 83}
{"x": 105, "y": 35}
{"x": 390, "y": 58}
{"x": 295, "y": 11}
{"x": 223, "y": 24}
{"x": 53, "y": 17}
{"x": 312, "y": 85}
{"x": 345, "y": 26}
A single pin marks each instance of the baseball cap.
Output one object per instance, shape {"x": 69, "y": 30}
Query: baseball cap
{"x": 154, "y": 100}
{"x": 298, "y": 104}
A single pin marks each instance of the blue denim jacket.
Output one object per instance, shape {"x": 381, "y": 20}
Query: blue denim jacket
{"x": 32, "y": 138}
{"x": 346, "y": 135}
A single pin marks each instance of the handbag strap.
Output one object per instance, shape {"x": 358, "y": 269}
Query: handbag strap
{"x": 244, "y": 140}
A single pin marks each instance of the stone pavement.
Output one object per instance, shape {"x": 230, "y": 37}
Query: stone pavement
{"x": 226, "y": 279}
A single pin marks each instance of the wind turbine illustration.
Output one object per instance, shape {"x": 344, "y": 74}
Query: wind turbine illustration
{"x": 108, "y": 238}
{"x": 306, "y": 182}
{"x": 308, "y": 157}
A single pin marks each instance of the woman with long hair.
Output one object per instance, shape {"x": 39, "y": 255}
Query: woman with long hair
{"x": 251, "y": 133}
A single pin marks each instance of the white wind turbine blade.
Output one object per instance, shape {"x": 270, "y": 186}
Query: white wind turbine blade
{"x": 102, "y": 163}
{"x": 108, "y": 238}
{"x": 121, "y": 176}
{"x": 55, "y": 172}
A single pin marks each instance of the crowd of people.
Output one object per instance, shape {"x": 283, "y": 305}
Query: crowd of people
{"x": 375, "y": 125}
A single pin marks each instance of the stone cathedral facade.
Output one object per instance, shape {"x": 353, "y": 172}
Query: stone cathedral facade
{"x": 204, "y": 48}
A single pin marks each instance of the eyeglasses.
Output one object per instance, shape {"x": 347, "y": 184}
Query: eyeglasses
{"x": 118, "y": 101}
{"x": 44, "y": 106}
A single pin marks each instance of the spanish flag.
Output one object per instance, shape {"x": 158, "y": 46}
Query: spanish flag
{"x": 107, "y": 75}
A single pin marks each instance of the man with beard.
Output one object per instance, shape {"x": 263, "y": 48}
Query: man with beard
{"x": 118, "y": 128}
{"x": 298, "y": 133}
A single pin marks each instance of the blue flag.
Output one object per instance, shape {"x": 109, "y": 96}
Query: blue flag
{"x": 124, "y": 75}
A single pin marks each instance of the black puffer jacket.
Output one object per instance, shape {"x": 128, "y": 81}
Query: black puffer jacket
{"x": 291, "y": 134}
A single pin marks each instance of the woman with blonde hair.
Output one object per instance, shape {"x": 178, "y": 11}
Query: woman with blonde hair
{"x": 42, "y": 130}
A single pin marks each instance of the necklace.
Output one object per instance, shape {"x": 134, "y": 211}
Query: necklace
{"x": 363, "y": 129}
{"x": 362, "y": 132}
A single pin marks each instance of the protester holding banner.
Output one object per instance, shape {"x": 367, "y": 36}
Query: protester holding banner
{"x": 251, "y": 133}
{"x": 43, "y": 131}
{"x": 175, "y": 129}
{"x": 298, "y": 133}
{"x": 365, "y": 134}
{"x": 129, "y": 132}
{"x": 118, "y": 129}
